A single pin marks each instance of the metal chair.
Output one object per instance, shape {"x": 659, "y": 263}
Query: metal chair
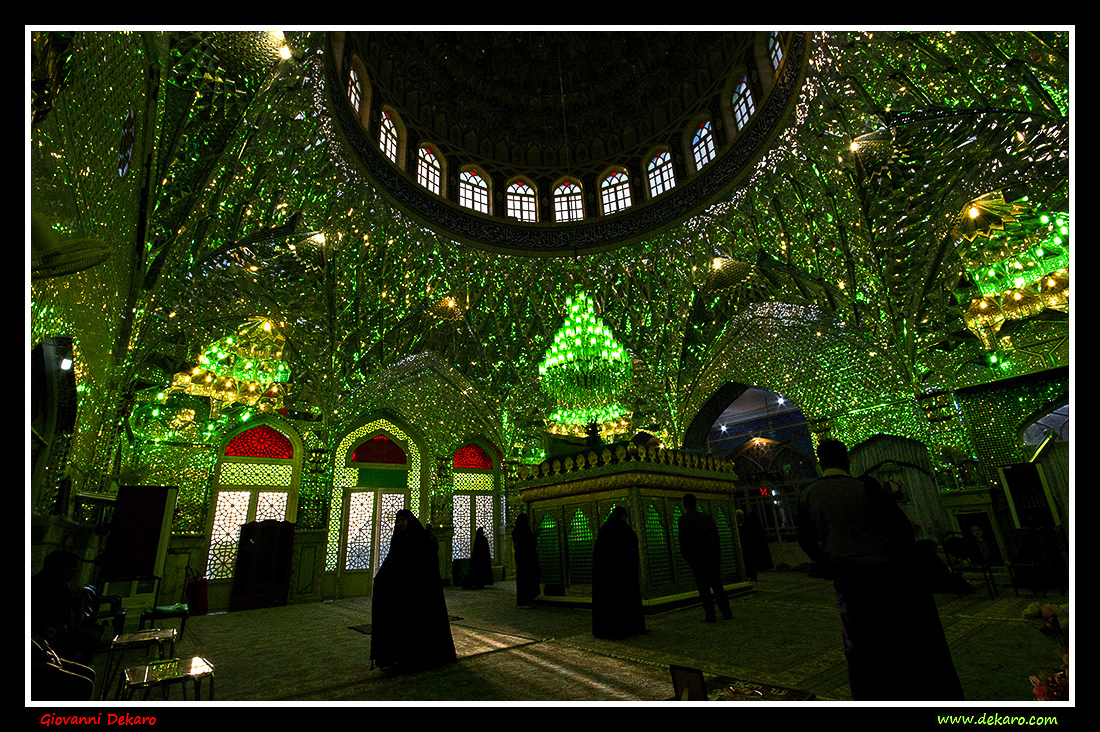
{"x": 180, "y": 611}
{"x": 960, "y": 558}
{"x": 166, "y": 673}
{"x": 102, "y": 609}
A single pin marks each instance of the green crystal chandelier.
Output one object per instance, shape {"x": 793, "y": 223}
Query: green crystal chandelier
{"x": 586, "y": 371}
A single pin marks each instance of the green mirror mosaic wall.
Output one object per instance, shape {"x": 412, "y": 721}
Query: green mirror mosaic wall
{"x": 203, "y": 173}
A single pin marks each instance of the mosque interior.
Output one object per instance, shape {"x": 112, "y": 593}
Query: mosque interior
{"x": 318, "y": 276}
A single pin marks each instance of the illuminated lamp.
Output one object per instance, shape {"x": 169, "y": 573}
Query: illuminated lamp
{"x": 586, "y": 371}
{"x": 1054, "y": 291}
{"x": 1020, "y": 303}
{"x": 984, "y": 215}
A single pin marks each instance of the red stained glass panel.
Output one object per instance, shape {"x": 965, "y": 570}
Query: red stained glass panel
{"x": 472, "y": 457}
{"x": 260, "y": 442}
{"x": 380, "y": 449}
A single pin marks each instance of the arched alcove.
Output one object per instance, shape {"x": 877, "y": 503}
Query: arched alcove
{"x": 256, "y": 479}
{"x": 378, "y": 469}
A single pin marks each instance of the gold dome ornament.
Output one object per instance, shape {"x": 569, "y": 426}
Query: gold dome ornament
{"x": 984, "y": 215}
{"x": 1020, "y": 303}
{"x": 984, "y": 318}
{"x": 1054, "y": 291}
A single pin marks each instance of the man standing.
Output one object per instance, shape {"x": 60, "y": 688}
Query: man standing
{"x": 893, "y": 640}
{"x": 701, "y": 549}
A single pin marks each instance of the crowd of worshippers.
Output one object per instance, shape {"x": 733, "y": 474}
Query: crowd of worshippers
{"x": 851, "y": 529}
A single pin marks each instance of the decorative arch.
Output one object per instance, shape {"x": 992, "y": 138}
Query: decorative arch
{"x": 695, "y": 438}
{"x": 392, "y": 137}
{"x": 257, "y": 478}
{"x": 370, "y": 483}
{"x": 359, "y": 90}
{"x": 477, "y": 496}
{"x": 475, "y": 189}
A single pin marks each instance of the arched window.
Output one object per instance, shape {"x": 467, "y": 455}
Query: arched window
{"x": 428, "y": 171}
{"x": 743, "y": 105}
{"x": 476, "y": 500}
{"x": 615, "y": 192}
{"x": 568, "y": 202}
{"x": 256, "y": 480}
{"x": 702, "y": 146}
{"x": 521, "y": 202}
{"x": 355, "y": 91}
{"x": 473, "y": 191}
{"x": 775, "y": 50}
{"x": 387, "y": 137}
{"x": 376, "y": 472}
{"x": 661, "y": 176}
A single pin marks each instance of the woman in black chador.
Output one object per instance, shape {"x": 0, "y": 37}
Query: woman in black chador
{"x": 616, "y": 592}
{"x": 528, "y": 571}
{"x": 410, "y": 627}
{"x": 481, "y": 563}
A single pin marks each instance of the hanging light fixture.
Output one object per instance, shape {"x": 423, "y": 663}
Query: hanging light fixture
{"x": 245, "y": 367}
{"x": 586, "y": 371}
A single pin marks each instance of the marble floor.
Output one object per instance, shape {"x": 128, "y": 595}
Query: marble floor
{"x": 785, "y": 634}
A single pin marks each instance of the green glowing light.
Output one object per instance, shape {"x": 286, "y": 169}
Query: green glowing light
{"x": 586, "y": 369}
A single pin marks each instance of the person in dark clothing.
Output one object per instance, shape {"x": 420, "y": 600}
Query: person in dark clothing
{"x": 702, "y": 550}
{"x": 57, "y": 614}
{"x": 893, "y": 640}
{"x": 754, "y": 545}
{"x": 528, "y": 571}
{"x": 616, "y": 589}
{"x": 410, "y": 626}
{"x": 592, "y": 435}
{"x": 481, "y": 563}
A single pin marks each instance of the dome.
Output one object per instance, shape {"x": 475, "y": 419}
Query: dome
{"x": 545, "y": 107}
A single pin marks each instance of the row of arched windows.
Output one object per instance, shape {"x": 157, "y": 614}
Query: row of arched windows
{"x": 258, "y": 478}
{"x": 520, "y": 197}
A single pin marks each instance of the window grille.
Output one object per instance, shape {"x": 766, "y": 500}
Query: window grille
{"x": 428, "y": 171}
{"x": 355, "y": 94}
{"x": 230, "y": 512}
{"x": 702, "y": 147}
{"x": 473, "y": 191}
{"x": 743, "y": 105}
{"x": 568, "y": 205}
{"x": 521, "y": 202}
{"x": 615, "y": 192}
{"x": 472, "y": 457}
{"x": 661, "y": 176}
{"x": 775, "y": 50}
{"x": 360, "y": 530}
{"x": 388, "y": 138}
{"x": 260, "y": 442}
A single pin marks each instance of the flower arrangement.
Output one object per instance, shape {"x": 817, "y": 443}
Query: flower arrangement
{"x": 1055, "y": 625}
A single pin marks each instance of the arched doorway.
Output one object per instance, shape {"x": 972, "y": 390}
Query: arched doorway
{"x": 767, "y": 438}
{"x": 378, "y": 472}
{"x": 256, "y": 479}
